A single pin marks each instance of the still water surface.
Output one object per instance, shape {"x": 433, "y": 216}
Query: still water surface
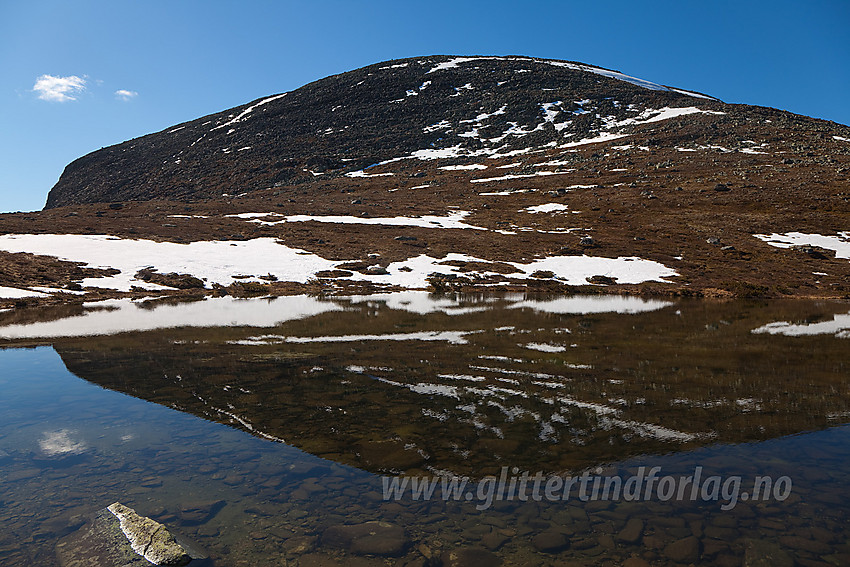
{"x": 267, "y": 430}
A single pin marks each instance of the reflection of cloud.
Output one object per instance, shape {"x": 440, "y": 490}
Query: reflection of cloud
{"x": 60, "y": 443}
{"x": 59, "y": 89}
{"x": 123, "y": 94}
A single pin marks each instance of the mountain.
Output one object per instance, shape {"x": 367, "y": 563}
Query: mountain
{"x": 456, "y": 173}
{"x": 462, "y": 105}
{"x": 465, "y": 106}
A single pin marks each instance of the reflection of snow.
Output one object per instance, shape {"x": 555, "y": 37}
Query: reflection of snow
{"x": 422, "y": 302}
{"x": 55, "y": 443}
{"x": 505, "y": 399}
{"x": 452, "y": 337}
{"x": 839, "y": 326}
{"x": 582, "y": 305}
{"x": 120, "y": 316}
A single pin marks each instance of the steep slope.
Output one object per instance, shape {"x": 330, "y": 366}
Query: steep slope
{"x": 462, "y": 105}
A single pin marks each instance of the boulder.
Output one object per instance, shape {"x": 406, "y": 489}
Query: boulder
{"x": 119, "y": 537}
{"x": 148, "y": 538}
{"x": 685, "y": 550}
{"x": 494, "y": 540}
{"x": 632, "y": 532}
{"x": 601, "y": 280}
{"x": 550, "y": 542}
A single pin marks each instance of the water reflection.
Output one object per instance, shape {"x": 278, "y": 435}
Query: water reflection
{"x": 414, "y": 384}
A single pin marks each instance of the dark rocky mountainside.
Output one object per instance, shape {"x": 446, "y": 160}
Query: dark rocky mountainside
{"x": 384, "y": 111}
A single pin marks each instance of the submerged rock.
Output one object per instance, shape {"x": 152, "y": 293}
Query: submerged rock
{"x": 550, "y": 542}
{"x": 632, "y": 532}
{"x": 685, "y": 550}
{"x": 763, "y": 553}
{"x": 199, "y": 511}
{"x": 370, "y": 538}
{"x": 119, "y": 537}
{"x": 470, "y": 557}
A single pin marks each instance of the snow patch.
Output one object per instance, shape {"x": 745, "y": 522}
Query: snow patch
{"x": 463, "y": 167}
{"x": 362, "y": 173}
{"x": 601, "y": 137}
{"x": 455, "y": 62}
{"x": 441, "y": 125}
{"x": 542, "y": 347}
{"x": 519, "y": 176}
{"x": 840, "y": 243}
{"x": 17, "y": 293}
{"x": 249, "y": 110}
{"x": 546, "y": 208}
{"x": 214, "y": 261}
{"x": 450, "y": 221}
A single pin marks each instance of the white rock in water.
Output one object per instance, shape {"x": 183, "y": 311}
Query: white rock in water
{"x": 148, "y": 538}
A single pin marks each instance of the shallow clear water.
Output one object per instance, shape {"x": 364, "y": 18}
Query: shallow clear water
{"x": 268, "y": 430}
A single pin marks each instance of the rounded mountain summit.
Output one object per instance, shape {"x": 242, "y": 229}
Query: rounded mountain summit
{"x": 437, "y": 106}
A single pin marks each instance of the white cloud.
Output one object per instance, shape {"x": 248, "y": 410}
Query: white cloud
{"x": 59, "y": 89}
{"x": 124, "y": 94}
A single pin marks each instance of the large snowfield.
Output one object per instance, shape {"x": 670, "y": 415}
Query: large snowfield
{"x": 226, "y": 262}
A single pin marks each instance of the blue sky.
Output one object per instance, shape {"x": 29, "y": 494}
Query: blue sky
{"x": 65, "y": 64}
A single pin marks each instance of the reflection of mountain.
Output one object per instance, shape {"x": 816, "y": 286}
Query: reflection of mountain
{"x": 410, "y": 383}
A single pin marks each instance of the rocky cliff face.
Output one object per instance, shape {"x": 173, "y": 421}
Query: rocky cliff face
{"x": 473, "y": 106}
